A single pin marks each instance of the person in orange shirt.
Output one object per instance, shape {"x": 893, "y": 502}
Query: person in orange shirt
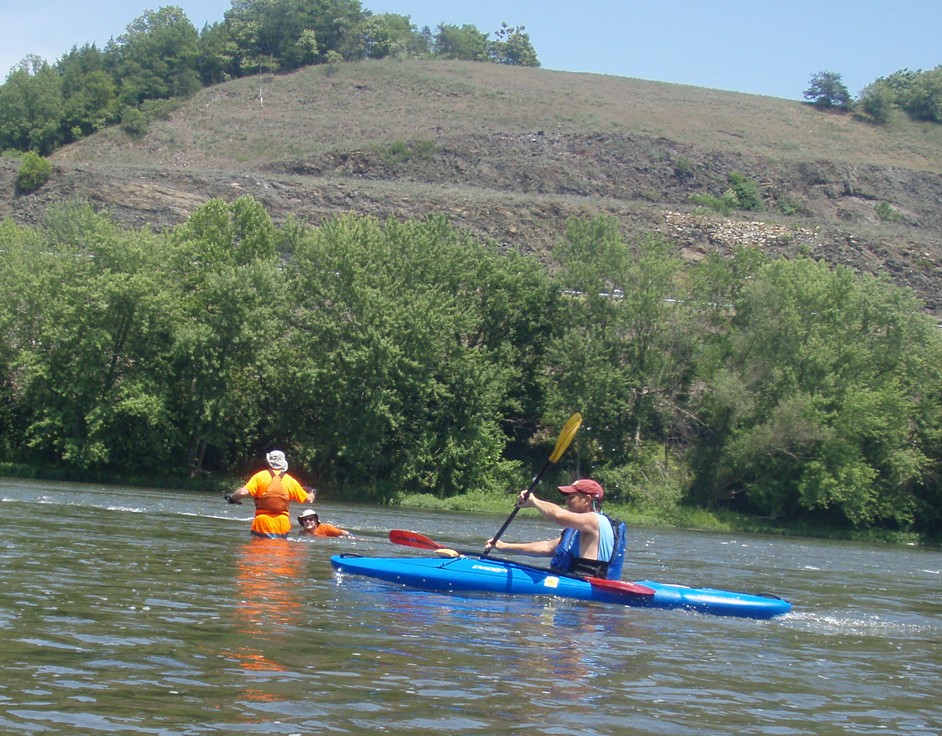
{"x": 273, "y": 490}
{"x": 311, "y": 526}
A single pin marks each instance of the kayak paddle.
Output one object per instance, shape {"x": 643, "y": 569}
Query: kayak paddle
{"x": 562, "y": 442}
{"x": 414, "y": 539}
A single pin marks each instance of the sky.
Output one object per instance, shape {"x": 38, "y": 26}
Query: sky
{"x": 762, "y": 47}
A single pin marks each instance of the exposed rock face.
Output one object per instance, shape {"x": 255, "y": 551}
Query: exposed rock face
{"x": 693, "y": 229}
{"x": 413, "y": 139}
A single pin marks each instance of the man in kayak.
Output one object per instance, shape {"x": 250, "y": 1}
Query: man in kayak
{"x": 272, "y": 490}
{"x": 311, "y": 526}
{"x": 592, "y": 543}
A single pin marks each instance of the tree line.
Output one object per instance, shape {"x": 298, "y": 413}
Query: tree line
{"x": 918, "y": 94}
{"x": 161, "y": 57}
{"x": 411, "y": 356}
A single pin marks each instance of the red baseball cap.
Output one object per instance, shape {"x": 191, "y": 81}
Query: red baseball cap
{"x": 584, "y": 485}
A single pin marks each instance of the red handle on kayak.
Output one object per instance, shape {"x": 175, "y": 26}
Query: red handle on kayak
{"x": 617, "y": 586}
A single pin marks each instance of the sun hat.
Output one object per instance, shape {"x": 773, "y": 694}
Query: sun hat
{"x": 276, "y": 460}
{"x": 584, "y": 485}
{"x": 307, "y": 514}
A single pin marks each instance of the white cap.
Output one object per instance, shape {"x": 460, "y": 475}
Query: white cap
{"x": 276, "y": 460}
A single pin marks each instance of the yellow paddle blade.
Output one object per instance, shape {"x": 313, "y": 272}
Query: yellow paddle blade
{"x": 565, "y": 436}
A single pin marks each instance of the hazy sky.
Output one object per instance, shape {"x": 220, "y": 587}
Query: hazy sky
{"x": 766, "y": 47}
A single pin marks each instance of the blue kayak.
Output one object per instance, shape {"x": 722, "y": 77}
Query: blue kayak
{"x": 466, "y": 573}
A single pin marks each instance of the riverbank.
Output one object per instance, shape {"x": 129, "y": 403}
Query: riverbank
{"x": 679, "y": 517}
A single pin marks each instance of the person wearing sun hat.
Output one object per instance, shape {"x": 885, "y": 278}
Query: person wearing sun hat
{"x": 592, "y": 543}
{"x": 273, "y": 490}
{"x": 312, "y": 526}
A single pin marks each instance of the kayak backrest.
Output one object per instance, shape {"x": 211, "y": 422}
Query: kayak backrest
{"x": 620, "y": 529}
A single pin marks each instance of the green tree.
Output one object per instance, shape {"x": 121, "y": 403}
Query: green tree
{"x": 917, "y": 93}
{"x": 287, "y": 34}
{"x": 228, "y": 342}
{"x": 924, "y": 98}
{"x": 384, "y": 36}
{"x": 827, "y": 91}
{"x": 512, "y": 46}
{"x": 93, "y": 373}
{"x": 156, "y": 58}
{"x": 89, "y": 92}
{"x": 900, "y": 82}
{"x": 217, "y": 52}
{"x": 410, "y": 344}
{"x": 31, "y": 107}
{"x": 466, "y": 42}
{"x": 818, "y": 406}
{"x": 877, "y": 100}
{"x": 20, "y": 282}
{"x": 623, "y": 358}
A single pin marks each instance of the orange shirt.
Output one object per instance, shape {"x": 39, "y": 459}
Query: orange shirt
{"x": 328, "y": 530}
{"x": 274, "y": 523}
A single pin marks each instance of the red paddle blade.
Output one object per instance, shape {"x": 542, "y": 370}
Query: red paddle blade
{"x": 412, "y": 539}
{"x": 617, "y": 586}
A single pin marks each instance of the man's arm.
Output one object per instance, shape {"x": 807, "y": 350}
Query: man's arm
{"x": 563, "y": 517}
{"x": 237, "y": 496}
{"x": 536, "y": 549}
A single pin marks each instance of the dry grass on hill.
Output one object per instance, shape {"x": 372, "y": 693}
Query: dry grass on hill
{"x": 513, "y": 152}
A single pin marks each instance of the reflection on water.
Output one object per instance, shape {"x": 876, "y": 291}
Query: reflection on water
{"x": 151, "y": 612}
{"x": 268, "y": 578}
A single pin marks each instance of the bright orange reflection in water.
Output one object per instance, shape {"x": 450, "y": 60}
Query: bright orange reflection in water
{"x": 269, "y": 571}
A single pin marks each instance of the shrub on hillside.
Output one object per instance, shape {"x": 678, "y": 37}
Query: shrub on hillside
{"x": 886, "y": 212}
{"x": 746, "y": 191}
{"x": 742, "y": 194}
{"x": 724, "y": 205}
{"x": 399, "y": 152}
{"x": 134, "y": 122}
{"x": 683, "y": 168}
{"x": 34, "y": 172}
{"x": 877, "y": 102}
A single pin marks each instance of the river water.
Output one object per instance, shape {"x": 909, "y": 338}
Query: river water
{"x": 143, "y": 611}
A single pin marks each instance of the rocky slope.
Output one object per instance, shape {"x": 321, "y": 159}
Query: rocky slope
{"x": 513, "y": 153}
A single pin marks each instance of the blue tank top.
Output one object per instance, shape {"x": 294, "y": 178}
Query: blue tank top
{"x": 606, "y": 538}
{"x": 567, "y": 552}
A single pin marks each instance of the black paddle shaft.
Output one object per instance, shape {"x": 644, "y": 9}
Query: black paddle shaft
{"x": 536, "y": 479}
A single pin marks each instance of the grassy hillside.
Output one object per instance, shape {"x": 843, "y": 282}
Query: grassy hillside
{"x": 513, "y": 152}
